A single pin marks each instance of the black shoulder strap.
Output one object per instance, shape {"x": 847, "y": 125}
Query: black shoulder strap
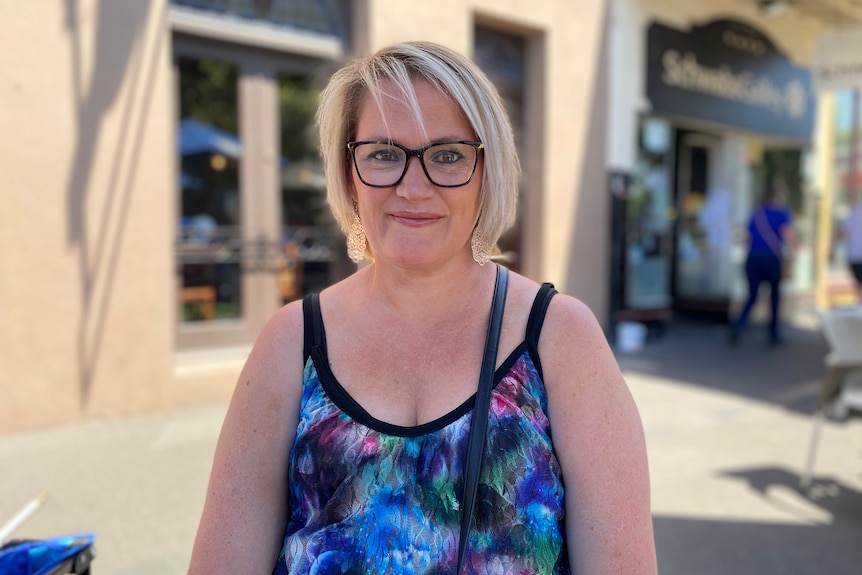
{"x": 537, "y": 313}
{"x": 313, "y": 334}
{"x": 536, "y": 319}
{"x": 479, "y": 424}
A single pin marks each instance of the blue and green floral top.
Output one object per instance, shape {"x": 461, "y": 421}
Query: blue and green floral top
{"x": 371, "y": 497}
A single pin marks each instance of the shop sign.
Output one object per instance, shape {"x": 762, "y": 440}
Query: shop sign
{"x": 838, "y": 63}
{"x": 729, "y": 73}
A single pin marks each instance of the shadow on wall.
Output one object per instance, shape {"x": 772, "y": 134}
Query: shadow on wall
{"x": 120, "y": 60}
{"x": 821, "y": 535}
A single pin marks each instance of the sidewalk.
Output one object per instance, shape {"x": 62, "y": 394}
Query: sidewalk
{"x": 727, "y": 430}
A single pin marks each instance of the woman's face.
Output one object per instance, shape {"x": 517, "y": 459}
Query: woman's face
{"x": 415, "y": 223}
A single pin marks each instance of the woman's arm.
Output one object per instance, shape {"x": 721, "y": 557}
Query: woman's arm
{"x": 599, "y": 440}
{"x": 245, "y": 512}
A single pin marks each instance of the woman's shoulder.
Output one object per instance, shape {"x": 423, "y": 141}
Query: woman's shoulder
{"x": 570, "y": 314}
{"x": 573, "y": 345}
{"x": 276, "y": 359}
{"x": 284, "y": 325}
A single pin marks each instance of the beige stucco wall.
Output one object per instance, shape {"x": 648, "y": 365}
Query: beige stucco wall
{"x": 85, "y": 235}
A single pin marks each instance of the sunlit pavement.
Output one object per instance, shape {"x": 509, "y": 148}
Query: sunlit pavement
{"x": 727, "y": 429}
{"x": 137, "y": 483}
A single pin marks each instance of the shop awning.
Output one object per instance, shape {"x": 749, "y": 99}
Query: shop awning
{"x": 198, "y": 137}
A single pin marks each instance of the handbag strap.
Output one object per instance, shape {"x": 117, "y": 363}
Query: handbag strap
{"x": 479, "y": 424}
{"x": 767, "y": 233}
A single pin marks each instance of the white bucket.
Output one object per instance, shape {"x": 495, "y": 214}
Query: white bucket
{"x": 630, "y": 336}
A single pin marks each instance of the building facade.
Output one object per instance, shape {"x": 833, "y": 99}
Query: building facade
{"x": 162, "y": 196}
{"x": 710, "y": 105}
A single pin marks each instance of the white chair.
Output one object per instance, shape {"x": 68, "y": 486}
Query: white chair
{"x": 842, "y": 328}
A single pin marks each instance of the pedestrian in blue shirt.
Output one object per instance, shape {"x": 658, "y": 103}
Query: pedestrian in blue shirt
{"x": 770, "y": 241}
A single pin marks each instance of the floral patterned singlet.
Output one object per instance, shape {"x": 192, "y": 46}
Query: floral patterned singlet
{"x": 371, "y": 497}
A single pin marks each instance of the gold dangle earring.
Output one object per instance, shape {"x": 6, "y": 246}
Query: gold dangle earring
{"x": 356, "y": 238}
{"x": 481, "y": 247}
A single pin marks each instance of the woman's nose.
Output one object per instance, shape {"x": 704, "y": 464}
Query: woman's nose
{"x": 414, "y": 183}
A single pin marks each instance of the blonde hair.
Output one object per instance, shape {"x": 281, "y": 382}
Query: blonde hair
{"x": 454, "y": 75}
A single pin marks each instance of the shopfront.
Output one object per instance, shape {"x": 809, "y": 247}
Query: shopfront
{"x": 726, "y": 115}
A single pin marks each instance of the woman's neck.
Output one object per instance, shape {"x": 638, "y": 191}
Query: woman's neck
{"x": 418, "y": 294}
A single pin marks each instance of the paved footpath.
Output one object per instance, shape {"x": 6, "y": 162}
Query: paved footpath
{"x": 727, "y": 431}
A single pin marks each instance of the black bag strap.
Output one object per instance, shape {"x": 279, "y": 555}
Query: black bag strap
{"x": 479, "y": 425}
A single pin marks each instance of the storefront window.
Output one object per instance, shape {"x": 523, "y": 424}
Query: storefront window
{"x": 208, "y": 243}
{"x": 649, "y": 223}
{"x": 312, "y": 255}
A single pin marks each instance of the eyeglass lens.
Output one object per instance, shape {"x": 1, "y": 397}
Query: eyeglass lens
{"x": 446, "y": 164}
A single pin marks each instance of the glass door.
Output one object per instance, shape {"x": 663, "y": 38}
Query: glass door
{"x": 704, "y": 230}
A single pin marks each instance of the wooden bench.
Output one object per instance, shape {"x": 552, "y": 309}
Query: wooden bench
{"x": 204, "y": 295}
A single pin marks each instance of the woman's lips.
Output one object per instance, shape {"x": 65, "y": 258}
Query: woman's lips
{"x": 414, "y": 219}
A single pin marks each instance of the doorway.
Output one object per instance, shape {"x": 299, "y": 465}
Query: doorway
{"x": 702, "y": 270}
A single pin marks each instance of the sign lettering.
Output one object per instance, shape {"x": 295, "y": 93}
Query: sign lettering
{"x": 728, "y": 72}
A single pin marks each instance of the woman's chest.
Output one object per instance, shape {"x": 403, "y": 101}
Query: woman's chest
{"x": 408, "y": 381}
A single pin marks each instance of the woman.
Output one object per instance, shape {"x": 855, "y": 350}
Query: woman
{"x": 770, "y": 235}
{"x": 348, "y": 456}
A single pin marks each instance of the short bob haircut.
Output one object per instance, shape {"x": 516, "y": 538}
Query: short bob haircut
{"x": 454, "y": 75}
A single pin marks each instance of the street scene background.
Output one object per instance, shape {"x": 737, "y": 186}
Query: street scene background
{"x": 162, "y": 195}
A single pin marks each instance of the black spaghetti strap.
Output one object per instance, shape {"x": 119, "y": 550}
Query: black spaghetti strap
{"x": 535, "y": 321}
{"x": 313, "y": 334}
{"x": 317, "y": 321}
{"x": 537, "y": 313}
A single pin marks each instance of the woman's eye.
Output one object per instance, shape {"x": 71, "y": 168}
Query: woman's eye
{"x": 384, "y": 156}
{"x": 447, "y": 157}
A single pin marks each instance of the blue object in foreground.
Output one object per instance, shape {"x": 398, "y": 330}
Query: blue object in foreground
{"x": 54, "y": 556}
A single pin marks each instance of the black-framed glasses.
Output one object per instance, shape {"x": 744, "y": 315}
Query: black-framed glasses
{"x": 382, "y": 164}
